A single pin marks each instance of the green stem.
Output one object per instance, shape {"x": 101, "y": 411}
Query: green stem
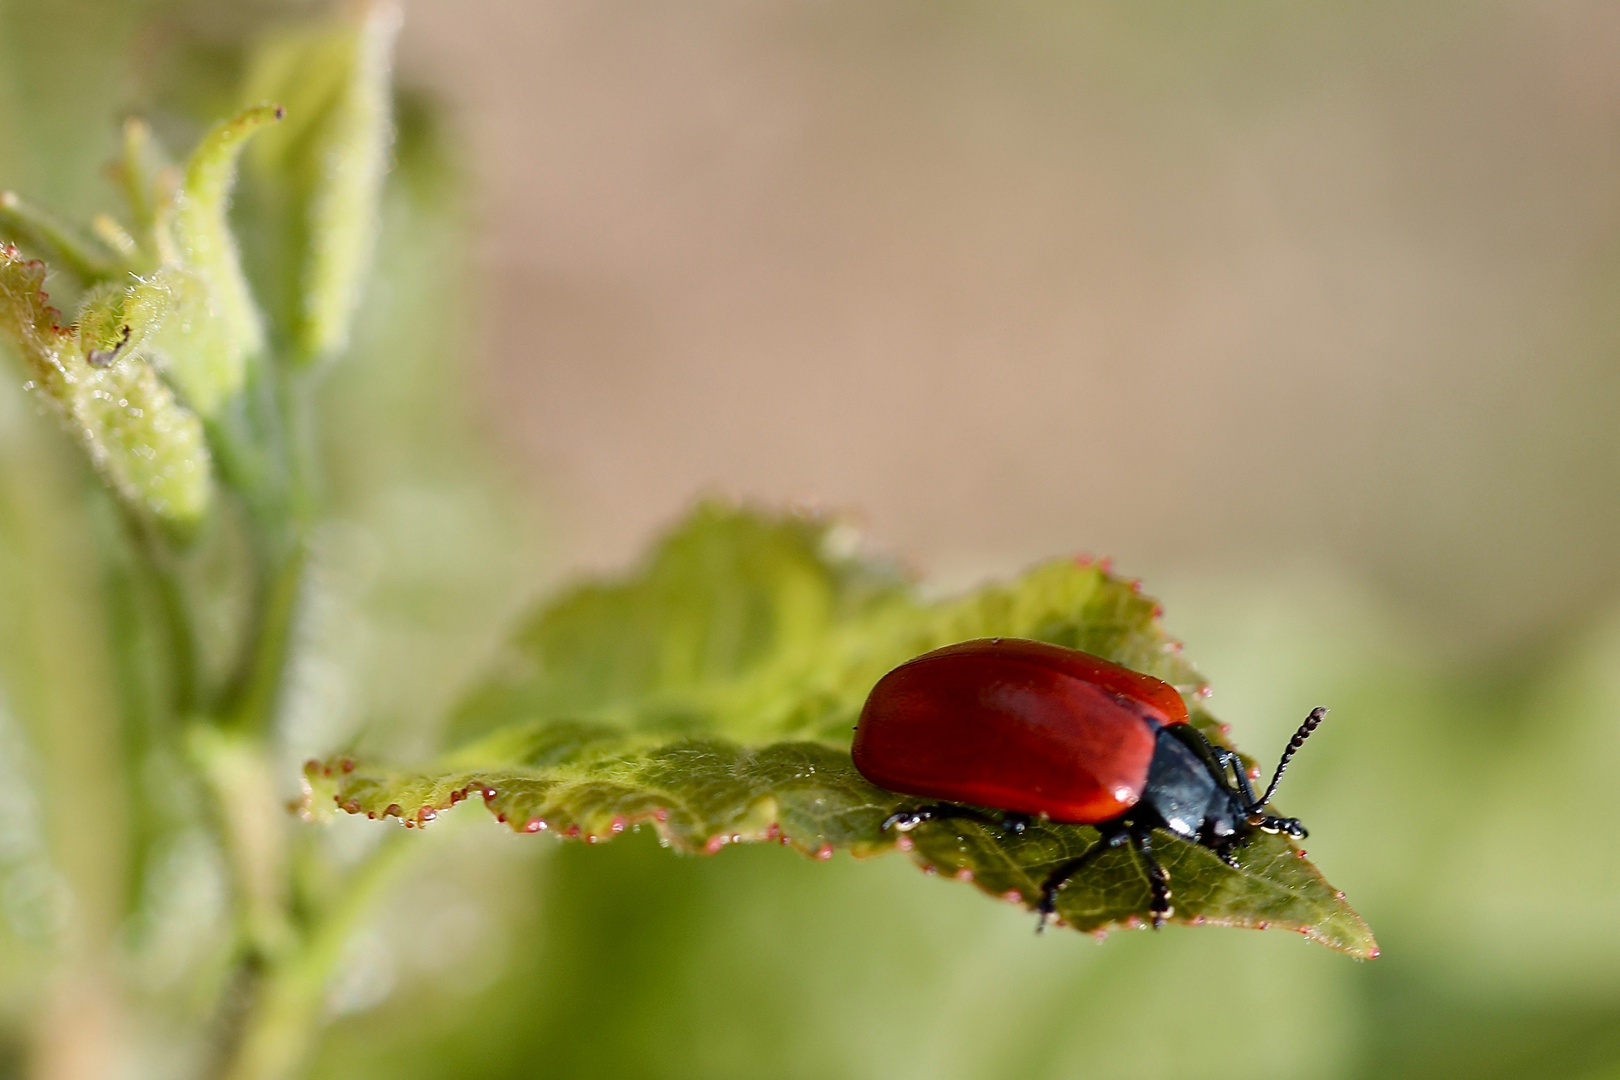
{"x": 285, "y": 1018}
{"x": 252, "y": 823}
{"x": 251, "y": 706}
{"x": 279, "y": 500}
{"x": 182, "y": 637}
{"x": 265, "y": 446}
{"x": 144, "y": 582}
{"x": 270, "y": 451}
{"x": 158, "y": 558}
{"x": 294, "y": 391}
{"x": 151, "y": 636}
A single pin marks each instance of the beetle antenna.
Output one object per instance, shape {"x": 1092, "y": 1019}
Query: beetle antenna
{"x": 1311, "y": 723}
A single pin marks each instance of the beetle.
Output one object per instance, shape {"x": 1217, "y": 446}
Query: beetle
{"x": 1030, "y": 730}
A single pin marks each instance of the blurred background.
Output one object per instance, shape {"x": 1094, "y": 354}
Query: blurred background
{"x": 1306, "y": 315}
{"x": 1202, "y": 290}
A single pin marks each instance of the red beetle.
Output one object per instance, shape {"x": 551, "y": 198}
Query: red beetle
{"x": 1036, "y": 730}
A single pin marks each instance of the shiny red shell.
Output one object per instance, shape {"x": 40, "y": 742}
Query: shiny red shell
{"x": 1016, "y": 725}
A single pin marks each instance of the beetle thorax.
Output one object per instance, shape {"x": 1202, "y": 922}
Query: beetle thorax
{"x": 1193, "y": 800}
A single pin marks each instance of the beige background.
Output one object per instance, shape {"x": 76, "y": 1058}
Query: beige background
{"x": 1208, "y": 292}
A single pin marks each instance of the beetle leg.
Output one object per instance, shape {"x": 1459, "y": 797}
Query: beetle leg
{"x": 1229, "y": 759}
{"x": 1286, "y": 825}
{"x": 1113, "y": 835}
{"x": 1158, "y": 877}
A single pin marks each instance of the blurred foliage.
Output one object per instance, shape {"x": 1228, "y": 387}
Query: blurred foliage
{"x": 330, "y": 161}
{"x": 351, "y": 562}
{"x": 1466, "y": 807}
{"x": 620, "y": 705}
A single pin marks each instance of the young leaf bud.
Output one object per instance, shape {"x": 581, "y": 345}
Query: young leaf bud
{"x": 206, "y": 325}
{"x": 332, "y": 156}
{"x": 147, "y": 446}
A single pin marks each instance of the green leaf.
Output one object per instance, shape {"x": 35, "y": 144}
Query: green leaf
{"x": 203, "y": 232}
{"x": 216, "y": 328}
{"x": 731, "y": 615}
{"x": 148, "y": 446}
{"x": 711, "y": 696}
{"x": 41, "y": 232}
{"x": 333, "y": 154}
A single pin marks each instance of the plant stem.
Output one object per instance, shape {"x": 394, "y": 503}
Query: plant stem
{"x": 284, "y": 1019}
{"x": 252, "y": 706}
{"x": 157, "y": 557}
{"x": 252, "y": 824}
{"x": 285, "y": 967}
{"x": 182, "y": 634}
{"x": 262, "y": 446}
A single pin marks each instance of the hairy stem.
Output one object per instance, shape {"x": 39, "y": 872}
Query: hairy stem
{"x": 262, "y": 444}
{"x": 284, "y": 1019}
{"x": 253, "y": 825}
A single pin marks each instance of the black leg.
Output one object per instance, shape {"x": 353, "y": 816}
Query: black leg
{"x": 906, "y": 820}
{"x": 1288, "y": 825}
{"x": 1229, "y": 759}
{"x": 1113, "y": 836}
{"x": 1158, "y": 877}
